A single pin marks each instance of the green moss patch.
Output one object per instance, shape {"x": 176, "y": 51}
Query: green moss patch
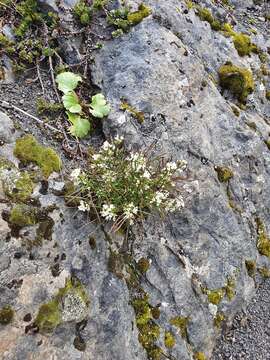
{"x": 28, "y": 150}
{"x": 215, "y": 296}
{"x": 22, "y": 188}
{"x": 69, "y": 304}
{"x": 181, "y": 323}
{"x": 122, "y": 19}
{"x": 238, "y": 81}
{"x": 23, "y": 215}
{"x": 263, "y": 240}
{"x": 199, "y": 356}
{"x": 6, "y": 315}
{"x": 224, "y": 174}
{"x": 251, "y": 267}
{"x": 143, "y": 265}
{"x": 219, "y": 318}
{"x": 134, "y": 112}
{"x": 169, "y": 339}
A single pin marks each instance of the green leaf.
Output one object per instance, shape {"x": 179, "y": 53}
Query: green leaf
{"x": 80, "y": 127}
{"x": 99, "y": 108}
{"x": 67, "y": 81}
{"x": 71, "y": 102}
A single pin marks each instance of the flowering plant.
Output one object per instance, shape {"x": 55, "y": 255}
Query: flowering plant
{"x": 122, "y": 187}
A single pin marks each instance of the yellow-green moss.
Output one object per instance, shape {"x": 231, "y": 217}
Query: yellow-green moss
{"x": 205, "y": 15}
{"x": 169, "y": 339}
{"x": 189, "y": 4}
{"x": 200, "y": 356}
{"x": 238, "y": 81}
{"x": 155, "y": 312}
{"x": 136, "y": 17}
{"x": 215, "y": 296}
{"x": 44, "y": 106}
{"x": 243, "y": 44}
{"x": 143, "y": 265}
{"x": 181, "y": 323}
{"x": 142, "y": 310}
{"x": 23, "y": 215}
{"x": 251, "y": 267}
{"x": 265, "y": 272}
{"x": 267, "y": 143}
{"x": 263, "y": 241}
{"x": 28, "y": 150}
{"x": 219, "y": 318}
{"x": 6, "y": 315}
{"x": 22, "y": 188}
{"x": 135, "y": 113}
{"x": 224, "y": 174}
{"x": 50, "y": 314}
{"x": 267, "y": 94}
{"x": 230, "y": 288}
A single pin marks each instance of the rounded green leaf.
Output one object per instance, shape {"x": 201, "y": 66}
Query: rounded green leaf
{"x": 71, "y": 102}
{"x": 80, "y": 127}
{"x": 99, "y": 108}
{"x": 67, "y": 81}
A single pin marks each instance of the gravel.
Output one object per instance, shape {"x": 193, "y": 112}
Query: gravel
{"x": 249, "y": 337}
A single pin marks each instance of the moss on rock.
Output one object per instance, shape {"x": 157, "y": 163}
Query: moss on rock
{"x": 143, "y": 265}
{"x": 6, "y": 315}
{"x": 230, "y": 288}
{"x": 215, "y": 296}
{"x": 69, "y": 304}
{"x": 28, "y": 150}
{"x": 181, "y": 323}
{"x": 136, "y": 17}
{"x": 199, "y": 356}
{"x": 263, "y": 241}
{"x": 22, "y": 188}
{"x": 23, "y": 215}
{"x": 239, "y": 81}
{"x": 169, "y": 339}
{"x": 224, "y": 174}
{"x": 251, "y": 267}
{"x": 219, "y": 318}
{"x": 243, "y": 44}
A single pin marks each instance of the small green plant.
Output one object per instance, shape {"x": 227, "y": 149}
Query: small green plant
{"x": 123, "y": 187}
{"x": 75, "y": 109}
{"x": 123, "y": 19}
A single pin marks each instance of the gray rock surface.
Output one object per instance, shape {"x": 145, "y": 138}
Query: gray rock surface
{"x": 165, "y": 67}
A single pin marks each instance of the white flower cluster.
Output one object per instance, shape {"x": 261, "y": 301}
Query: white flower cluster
{"x": 130, "y": 212}
{"x": 83, "y": 206}
{"x": 123, "y": 187}
{"x": 108, "y": 212}
{"x": 75, "y": 176}
{"x": 138, "y": 161}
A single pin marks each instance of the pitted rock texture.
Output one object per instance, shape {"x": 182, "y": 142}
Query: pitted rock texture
{"x": 166, "y": 67}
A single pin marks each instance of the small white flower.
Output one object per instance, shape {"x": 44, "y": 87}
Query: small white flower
{"x": 160, "y": 197}
{"x": 83, "y": 206}
{"x": 130, "y": 211}
{"x": 146, "y": 174}
{"x": 75, "y": 174}
{"x": 118, "y": 139}
{"x": 108, "y": 212}
{"x": 182, "y": 164}
{"x": 96, "y": 157}
{"x": 171, "y": 166}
